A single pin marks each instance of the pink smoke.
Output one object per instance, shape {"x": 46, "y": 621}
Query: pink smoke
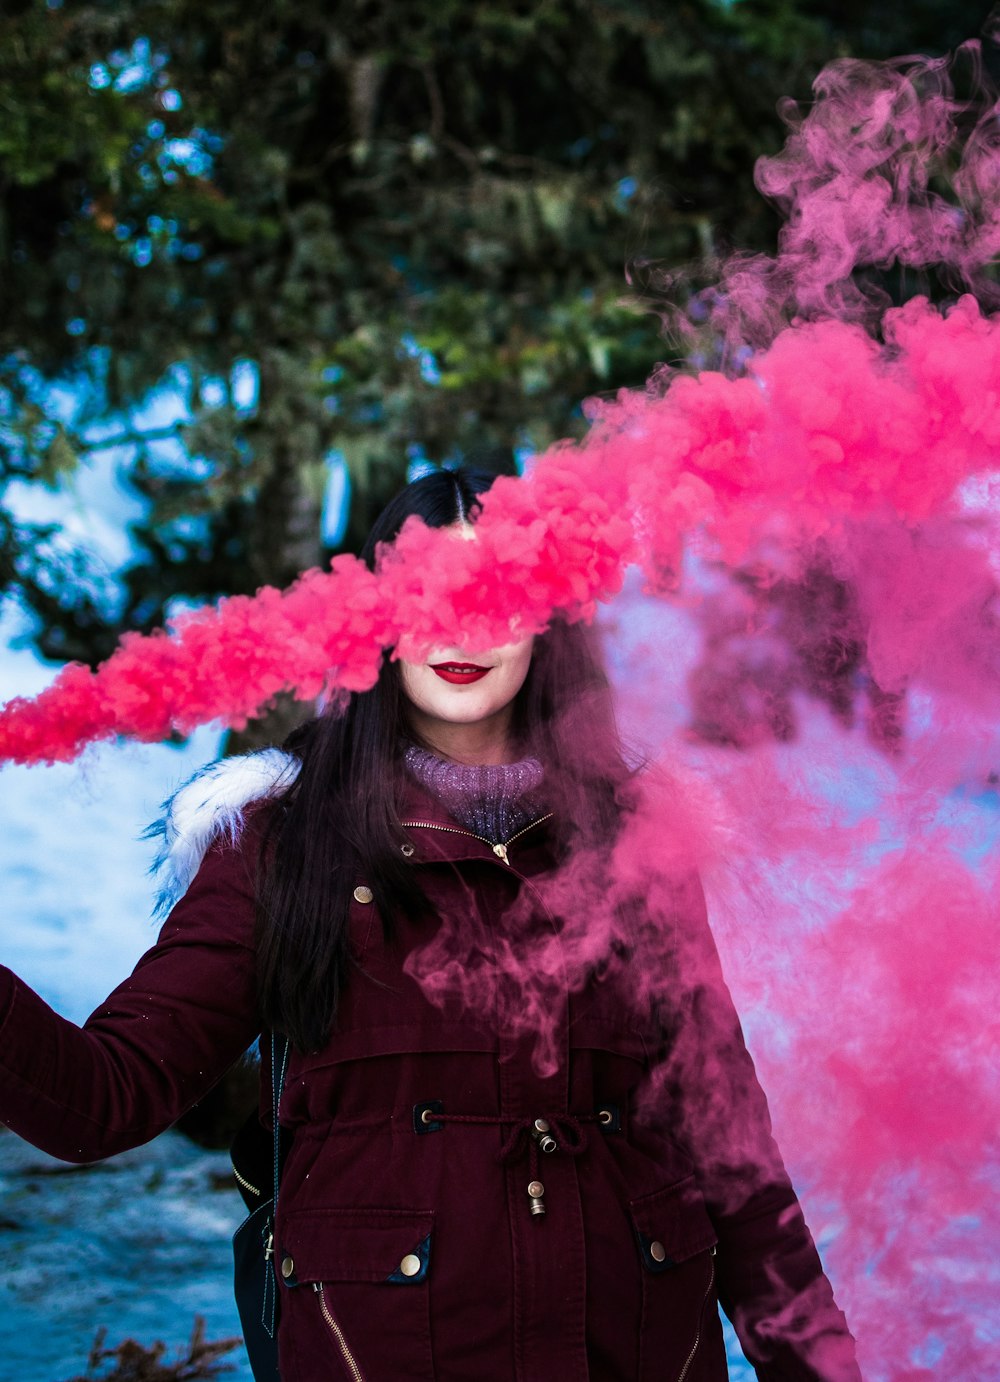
{"x": 825, "y": 529}
{"x": 768, "y": 463}
{"x": 888, "y": 167}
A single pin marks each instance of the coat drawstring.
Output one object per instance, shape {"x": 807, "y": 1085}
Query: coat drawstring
{"x": 562, "y": 1132}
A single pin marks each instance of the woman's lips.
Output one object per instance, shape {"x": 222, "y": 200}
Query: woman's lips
{"x": 459, "y": 673}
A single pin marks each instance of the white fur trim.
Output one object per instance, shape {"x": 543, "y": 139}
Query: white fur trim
{"x": 210, "y": 804}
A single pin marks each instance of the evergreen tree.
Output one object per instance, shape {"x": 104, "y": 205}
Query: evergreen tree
{"x": 386, "y": 230}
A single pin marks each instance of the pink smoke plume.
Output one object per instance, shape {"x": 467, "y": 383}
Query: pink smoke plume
{"x": 858, "y": 932}
{"x": 824, "y": 526}
{"x": 888, "y": 168}
{"x": 776, "y": 460}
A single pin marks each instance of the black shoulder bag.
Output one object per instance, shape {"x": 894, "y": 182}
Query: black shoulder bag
{"x": 257, "y": 1164}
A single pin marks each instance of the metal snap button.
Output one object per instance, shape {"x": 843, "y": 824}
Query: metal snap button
{"x": 657, "y": 1252}
{"x": 363, "y": 893}
{"x": 287, "y": 1267}
{"x": 410, "y": 1264}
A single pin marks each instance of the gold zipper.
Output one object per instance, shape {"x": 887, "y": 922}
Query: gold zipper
{"x": 246, "y": 1184}
{"x": 338, "y": 1334}
{"x": 499, "y": 850}
{"x": 701, "y": 1317}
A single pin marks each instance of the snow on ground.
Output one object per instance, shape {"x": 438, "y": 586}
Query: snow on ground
{"x": 139, "y": 1245}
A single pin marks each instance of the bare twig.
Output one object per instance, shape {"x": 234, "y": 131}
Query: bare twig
{"x": 135, "y": 1363}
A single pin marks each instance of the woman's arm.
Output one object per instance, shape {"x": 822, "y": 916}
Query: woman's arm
{"x": 156, "y": 1044}
{"x": 771, "y": 1282}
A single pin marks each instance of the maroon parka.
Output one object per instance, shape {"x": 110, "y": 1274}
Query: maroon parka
{"x": 461, "y": 1201}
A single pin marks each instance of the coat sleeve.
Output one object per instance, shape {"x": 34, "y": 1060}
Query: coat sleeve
{"x": 156, "y": 1045}
{"x": 770, "y": 1280}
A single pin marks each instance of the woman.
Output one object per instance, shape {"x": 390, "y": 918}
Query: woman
{"x": 526, "y": 1137}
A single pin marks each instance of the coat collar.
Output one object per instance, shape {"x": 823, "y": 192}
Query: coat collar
{"x": 435, "y": 836}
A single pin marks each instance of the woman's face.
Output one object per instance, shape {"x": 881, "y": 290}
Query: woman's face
{"x": 463, "y": 705}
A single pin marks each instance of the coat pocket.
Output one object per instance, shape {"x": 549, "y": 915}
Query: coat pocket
{"x": 681, "y": 1336}
{"x": 356, "y": 1288}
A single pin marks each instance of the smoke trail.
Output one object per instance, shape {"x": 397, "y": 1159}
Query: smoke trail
{"x": 770, "y": 462}
{"x": 825, "y": 522}
{"x": 888, "y": 168}
{"x": 860, "y": 939}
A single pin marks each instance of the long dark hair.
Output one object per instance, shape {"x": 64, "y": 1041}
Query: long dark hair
{"x": 340, "y": 820}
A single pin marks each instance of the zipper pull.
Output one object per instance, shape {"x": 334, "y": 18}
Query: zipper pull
{"x": 501, "y": 852}
{"x": 269, "y": 1246}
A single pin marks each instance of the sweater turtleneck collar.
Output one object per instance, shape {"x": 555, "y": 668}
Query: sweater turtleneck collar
{"x": 493, "y": 800}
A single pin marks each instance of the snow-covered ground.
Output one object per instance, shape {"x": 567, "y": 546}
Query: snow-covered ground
{"x": 138, "y": 1245}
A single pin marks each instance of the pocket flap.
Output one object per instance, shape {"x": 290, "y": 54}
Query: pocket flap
{"x": 672, "y": 1225}
{"x": 360, "y": 1244}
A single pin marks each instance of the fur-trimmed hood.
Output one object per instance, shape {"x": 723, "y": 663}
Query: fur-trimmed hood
{"x": 210, "y": 804}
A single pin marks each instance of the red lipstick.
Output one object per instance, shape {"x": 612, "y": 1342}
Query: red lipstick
{"x": 459, "y": 673}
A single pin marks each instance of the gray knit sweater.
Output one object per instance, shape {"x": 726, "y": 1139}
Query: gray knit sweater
{"x": 494, "y": 801}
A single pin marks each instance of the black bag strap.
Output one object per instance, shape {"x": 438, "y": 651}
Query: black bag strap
{"x": 269, "y": 1310}
{"x": 277, "y": 1084}
{"x": 256, "y": 1157}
